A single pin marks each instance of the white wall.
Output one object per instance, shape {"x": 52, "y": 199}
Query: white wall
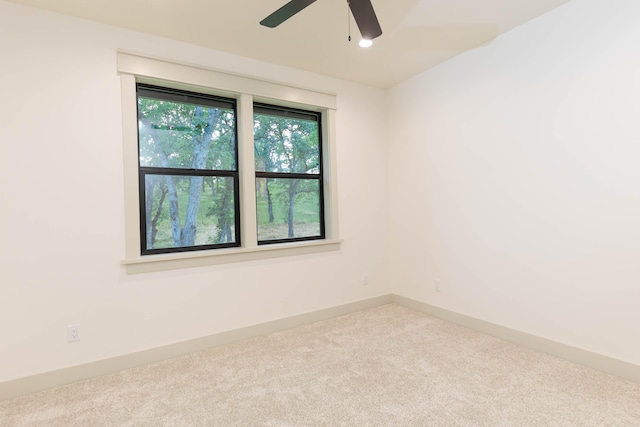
{"x": 61, "y": 206}
{"x": 513, "y": 177}
{"x": 515, "y": 180}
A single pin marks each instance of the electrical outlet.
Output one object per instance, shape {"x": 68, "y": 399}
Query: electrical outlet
{"x": 365, "y": 280}
{"x": 436, "y": 285}
{"x": 73, "y": 333}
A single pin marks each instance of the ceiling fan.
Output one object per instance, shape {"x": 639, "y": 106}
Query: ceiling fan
{"x": 362, "y": 11}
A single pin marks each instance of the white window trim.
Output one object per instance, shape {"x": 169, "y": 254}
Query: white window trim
{"x": 134, "y": 68}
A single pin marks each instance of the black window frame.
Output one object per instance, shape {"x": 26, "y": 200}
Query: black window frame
{"x": 178, "y": 95}
{"x": 275, "y": 110}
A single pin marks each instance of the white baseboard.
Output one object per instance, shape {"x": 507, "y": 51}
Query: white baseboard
{"x": 57, "y": 378}
{"x": 586, "y": 358}
{"x": 35, "y": 383}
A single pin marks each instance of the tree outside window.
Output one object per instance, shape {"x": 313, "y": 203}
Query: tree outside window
{"x": 188, "y": 171}
{"x": 288, "y": 164}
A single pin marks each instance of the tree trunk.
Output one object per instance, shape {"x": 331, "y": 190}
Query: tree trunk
{"x": 226, "y": 234}
{"x": 201, "y": 144}
{"x": 174, "y": 213}
{"x": 224, "y": 221}
{"x": 150, "y": 186}
{"x": 269, "y": 202}
{"x": 191, "y": 217}
{"x": 156, "y": 217}
{"x": 293, "y": 187}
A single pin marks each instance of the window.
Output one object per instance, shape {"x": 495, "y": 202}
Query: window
{"x": 188, "y": 171}
{"x": 223, "y": 168}
{"x": 288, "y": 163}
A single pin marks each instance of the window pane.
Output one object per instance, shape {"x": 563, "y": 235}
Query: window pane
{"x": 185, "y": 135}
{"x": 185, "y": 211}
{"x": 285, "y": 144}
{"x": 288, "y": 208}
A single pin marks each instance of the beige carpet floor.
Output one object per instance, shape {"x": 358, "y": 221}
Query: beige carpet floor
{"x": 386, "y": 366}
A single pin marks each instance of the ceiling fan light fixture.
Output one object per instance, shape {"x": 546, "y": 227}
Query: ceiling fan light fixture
{"x": 362, "y": 12}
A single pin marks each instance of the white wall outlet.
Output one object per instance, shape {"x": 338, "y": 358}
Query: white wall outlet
{"x": 365, "y": 280}
{"x": 73, "y": 333}
{"x": 436, "y": 286}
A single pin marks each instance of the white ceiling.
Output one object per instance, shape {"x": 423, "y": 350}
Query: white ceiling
{"x": 417, "y": 34}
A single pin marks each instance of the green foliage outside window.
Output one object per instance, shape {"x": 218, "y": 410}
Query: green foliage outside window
{"x": 288, "y": 174}
{"x": 185, "y": 149}
{"x": 189, "y": 181}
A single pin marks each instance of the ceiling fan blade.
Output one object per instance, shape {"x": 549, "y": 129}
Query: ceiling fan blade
{"x": 366, "y": 18}
{"x": 285, "y": 12}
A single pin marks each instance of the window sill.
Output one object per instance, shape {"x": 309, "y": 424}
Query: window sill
{"x": 152, "y": 263}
